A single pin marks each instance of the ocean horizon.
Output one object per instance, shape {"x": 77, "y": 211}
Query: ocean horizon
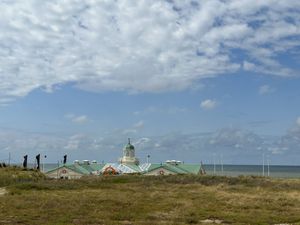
{"x": 276, "y": 171}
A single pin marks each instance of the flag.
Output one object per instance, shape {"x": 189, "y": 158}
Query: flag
{"x": 38, "y": 157}
{"x": 25, "y": 161}
{"x": 65, "y": 159}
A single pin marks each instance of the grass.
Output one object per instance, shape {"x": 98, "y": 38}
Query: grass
{"x": 151, "y": 200}
{"x": 13, "y": 174}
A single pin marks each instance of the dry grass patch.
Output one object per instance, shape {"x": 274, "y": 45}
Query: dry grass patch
{"x": 2, "y": 191}
{"x": 153, "y": 201}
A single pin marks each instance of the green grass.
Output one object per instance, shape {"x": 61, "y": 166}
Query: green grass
{"x": 151, "y": 200}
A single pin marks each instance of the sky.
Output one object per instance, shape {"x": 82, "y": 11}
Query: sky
{"x": 187, "y": 80}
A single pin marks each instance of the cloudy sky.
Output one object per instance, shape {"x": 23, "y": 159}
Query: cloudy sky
{"x": 186, "y": 80}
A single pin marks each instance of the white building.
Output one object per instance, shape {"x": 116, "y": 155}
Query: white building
{"x": 128, "y": 164}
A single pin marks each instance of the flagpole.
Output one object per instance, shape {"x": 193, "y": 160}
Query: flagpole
{"x": 263, "y": 166}
{"x": 42, "y": 164}
{"x": 9, "y": 158}
{"x": 268, "y": 161}
{"x": 57, "y": 169}
{"x": 214, "y": 163}
{"x": 222, "y": 169}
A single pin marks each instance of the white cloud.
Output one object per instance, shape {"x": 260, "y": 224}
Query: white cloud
{"x": 74, "y": 142}
{"x": 81, "y": 119}
{"x": 142, "y": 142}
{"x": 248, "y": 66}
{"x": 265, "y": 89}
{"x": 236, "y": 145}
{"x": 298, "y": 121}
{"x": 133, "y": 129}
{"x": 208, "y": 104}
{"x": 69, "y": 116}
{"x": 275, "y": 150}
{"x": 151, "y": 46}
{"x": 136, "y": 113}
{"x": 139, "y": 124}
{"x": 161, "y": 110}
{"x": 129, "y": 131}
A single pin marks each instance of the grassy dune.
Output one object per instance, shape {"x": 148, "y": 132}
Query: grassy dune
{"x": 12, "y": 175}
{"x": 152, "y": 200}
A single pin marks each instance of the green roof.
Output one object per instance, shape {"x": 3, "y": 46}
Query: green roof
{"x": 164, "y": 166}
{"x": 178, "y": 169}
{"x": 154, "y": 166}
{"x": 175, "y": 169}
{"x": 80, "y": 168}
{"x": 190, "y": 168}
{"x": 96, "y": 166}
{"x": 133, "y": 166}
{"x": 86, "y": 169}
{"x": 92, "y": 167}
{"x": 49, "y": 171}
{"x": 129, "y": 146}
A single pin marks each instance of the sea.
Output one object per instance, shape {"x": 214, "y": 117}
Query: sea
{"x": 240, "y": 170}
{"x": 254, "y": 170}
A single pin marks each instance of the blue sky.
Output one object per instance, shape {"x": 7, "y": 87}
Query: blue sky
{"x": 185, "y": 80}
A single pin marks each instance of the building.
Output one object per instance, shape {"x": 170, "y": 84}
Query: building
{"x": 129, "y": 155}
{"x": 127, "y": 164}
{"x": 170, "y": 168}
{"x": 75, "y": 170}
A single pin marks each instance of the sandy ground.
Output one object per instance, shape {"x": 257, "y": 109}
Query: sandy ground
{"x": 2, "y": 191}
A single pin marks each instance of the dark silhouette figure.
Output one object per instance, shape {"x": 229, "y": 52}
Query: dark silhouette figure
{"x": 38, "y": 160}
{"x": 25, "y": 162}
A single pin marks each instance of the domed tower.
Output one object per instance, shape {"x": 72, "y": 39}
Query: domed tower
{"x": 129, "y": 154}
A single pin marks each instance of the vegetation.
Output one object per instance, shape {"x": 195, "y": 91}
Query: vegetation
{"x": 13, "y": 174}
{"x": 150, "y": 200}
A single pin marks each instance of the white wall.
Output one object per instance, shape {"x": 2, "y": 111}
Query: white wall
{"x": 64, "y": 173}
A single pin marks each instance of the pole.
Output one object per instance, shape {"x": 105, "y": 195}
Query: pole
{"x": 43, "y": 164}
{"x": 9, "y": 158}
{"x": 222, "y": 169}
{"x": 268, "y": 161}
{"x": 263, "y": 166}
{"x": 57, "y": 169}
{"x": 214, "y": 163}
